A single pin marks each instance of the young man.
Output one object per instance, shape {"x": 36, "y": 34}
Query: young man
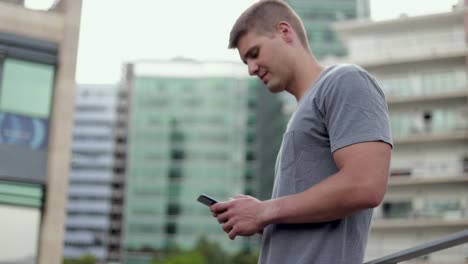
{"x": 334, "y": 160}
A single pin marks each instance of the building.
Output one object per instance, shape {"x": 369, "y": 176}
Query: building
{"x": 318, "y": 15}
{"x": 92, "y": 182}
{"x": 187, "y": 134}
{"x": 37, "y": 79}
{"x": 421, "y": 64}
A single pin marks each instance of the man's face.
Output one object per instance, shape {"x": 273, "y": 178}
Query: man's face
{"x": 264, "y": 56}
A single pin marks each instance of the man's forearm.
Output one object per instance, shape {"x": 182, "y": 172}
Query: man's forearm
{"x": 335, "y": 197}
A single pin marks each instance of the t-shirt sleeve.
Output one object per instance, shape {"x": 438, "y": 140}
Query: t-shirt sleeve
{"x": 355, "y": 111}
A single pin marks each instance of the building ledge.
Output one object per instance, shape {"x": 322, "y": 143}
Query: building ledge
{"x": 423, "y": 55}
{"x": 427, "y": 138}
{"x": 382, "y": 224}
{"x": 461, "y": 94}
{"x": 414, "y": 180}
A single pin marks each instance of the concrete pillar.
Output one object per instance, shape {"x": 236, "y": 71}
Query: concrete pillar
{"x": 54, "y": 213}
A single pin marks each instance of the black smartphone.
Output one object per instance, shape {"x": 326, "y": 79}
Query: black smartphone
{"x": 206, "y": 200}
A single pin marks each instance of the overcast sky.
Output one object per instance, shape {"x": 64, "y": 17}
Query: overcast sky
{"x": 114, "y": 31}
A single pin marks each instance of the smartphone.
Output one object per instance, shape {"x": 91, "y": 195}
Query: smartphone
{"x": 206, "y": 200}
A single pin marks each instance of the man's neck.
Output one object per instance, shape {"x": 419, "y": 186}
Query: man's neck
{"x": 307, "y": 72}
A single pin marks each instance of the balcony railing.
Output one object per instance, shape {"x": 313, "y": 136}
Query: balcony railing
{"x": 424, "y": 249}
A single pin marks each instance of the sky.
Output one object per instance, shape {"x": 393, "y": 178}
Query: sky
{"x": 117, "y": 31}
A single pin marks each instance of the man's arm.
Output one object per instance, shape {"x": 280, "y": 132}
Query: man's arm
{"x": 359, "y": 184}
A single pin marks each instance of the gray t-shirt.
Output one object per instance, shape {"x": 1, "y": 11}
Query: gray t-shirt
{"x": 343, "y": 107}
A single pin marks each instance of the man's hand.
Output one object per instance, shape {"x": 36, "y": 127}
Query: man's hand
{"x": 242, "y": 216}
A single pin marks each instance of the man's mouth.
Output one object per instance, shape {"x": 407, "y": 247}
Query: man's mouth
{"x": 262, "y": 77}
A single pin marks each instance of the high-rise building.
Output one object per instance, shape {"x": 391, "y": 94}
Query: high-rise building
{"x": 187, "y": 134}
{"x": 421, "y": 64}
{"x": 37, "y": 79}
{"x": 318, "y": 15}
{"x": 92, "y": 181}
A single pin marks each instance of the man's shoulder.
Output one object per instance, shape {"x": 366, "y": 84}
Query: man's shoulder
{"x": 338, "y": 70}
{"x": 335, "y": 74}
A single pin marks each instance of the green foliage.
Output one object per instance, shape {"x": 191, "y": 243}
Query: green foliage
{"x": 87, "y": 259}
{"x": 205, "y": 252}
{"x": 244, "y": 257}
{"x": 183, "y": 258}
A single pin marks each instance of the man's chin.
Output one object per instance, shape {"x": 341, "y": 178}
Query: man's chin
{"x": 274, "y": 89}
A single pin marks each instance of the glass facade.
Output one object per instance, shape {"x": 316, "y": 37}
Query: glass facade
{"x": 317, "y": 17}
{"x": 187, "y": 136}
{"x": 30, "y": 96}
{"x": 27, "y": 76}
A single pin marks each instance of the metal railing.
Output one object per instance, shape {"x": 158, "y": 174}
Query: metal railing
{"x": 424, "y": 249}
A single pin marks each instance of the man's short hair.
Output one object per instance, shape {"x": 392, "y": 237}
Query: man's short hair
{"x": 263, "y": 17}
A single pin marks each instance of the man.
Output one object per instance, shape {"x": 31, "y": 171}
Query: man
{"x": 334, "y": 160}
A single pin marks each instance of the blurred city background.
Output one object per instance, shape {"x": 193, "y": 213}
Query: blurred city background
{"x": 116, "y": 115}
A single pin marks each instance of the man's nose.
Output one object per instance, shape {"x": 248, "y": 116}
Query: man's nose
{"x": 253, "y": 68}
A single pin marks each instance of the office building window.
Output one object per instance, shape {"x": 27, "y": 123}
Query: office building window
{"x": 401, "y": 209}
{"x": 21, "y": 226}
{"x": 30, "y": 96}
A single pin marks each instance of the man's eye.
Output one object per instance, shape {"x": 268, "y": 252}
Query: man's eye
{"x": 255, "y": 54}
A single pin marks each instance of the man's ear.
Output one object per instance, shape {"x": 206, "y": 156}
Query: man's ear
{"x": 285, "y": 30}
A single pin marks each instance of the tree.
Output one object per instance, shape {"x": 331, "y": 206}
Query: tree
{"x": 191, "y": 257}
{"x": 212, "y": 251}
{"x": 244, "y": 257}
{"x": 204, "y": 252}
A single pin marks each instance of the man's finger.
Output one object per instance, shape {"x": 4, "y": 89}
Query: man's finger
{"x": 220, "y": 207}
{"x": 223, "y": 217}
{"x": 233, "y": 233}
{"x": 226, "y": 227}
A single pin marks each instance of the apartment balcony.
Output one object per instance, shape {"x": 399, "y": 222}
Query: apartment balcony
{"x": 121, "y": 148}
{"x": 85, "y": 238}
{"x": 121, "y": 132}
{"x": 396, "y": 181}
{"x": 116, "y": 224}
{"x": 91, "y": 176}
{"x": 90, "y": 190}
{"x": 418, "y": 223}
{"x": 92, "y": 161}
{"x": 88, "y": 207}
{"x": 77, "y": 252}
{"x": 114, "y": 240}
{"x": 455, "y": 96}
{"x": 92, "y": 102}
{"x": 123, "y": 102}
{"x": 117, "y": 209}
{"x": 123, "y": 117}
{"x": 450, "y": 136}
{"x": 118, "y": 178}
{"x": 117, "y": 194}
{"x": 88, "y": 146}
{"x": 119, "y": 163}
{"x": 92, "y": 130}
{"x": 113, "y": 255}
{"x": 394, "y": 57}
{"x": 88, "y": 222}
{"x": 104, "y": 116}
{"x": 408, "y": 193}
